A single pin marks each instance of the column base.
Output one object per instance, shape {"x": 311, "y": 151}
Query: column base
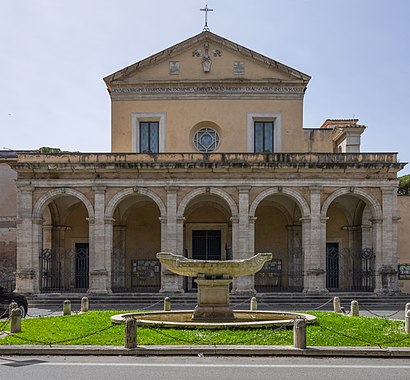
{"x": 244, "y": 286}
{"x": 171, "y": 284}
{"x": 99, "y": 283}
{"x": 27, "y": 282}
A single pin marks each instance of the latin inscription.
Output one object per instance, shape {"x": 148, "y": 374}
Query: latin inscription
{"x": 211, "y": 89}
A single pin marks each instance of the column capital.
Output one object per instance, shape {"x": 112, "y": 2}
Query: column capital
{"x": 27, "y": 188}
{"x": 315, "y": 188}
{"x": 61, "y": 228}
{"x": 99, "y": 189}
{"x": 171, "y": 189}
{"x": 388, "y": 189}
{"x": 234, "y": 219}
{"x": 376, "y": 220}
{"x": 351, "y": 228}
{"x": 109, "y": 220}
{"x": 252, "y": 219}
{"x": 91, "y": 220}
{"x": 244, "y": 189}
{"x": 306, "y": 219}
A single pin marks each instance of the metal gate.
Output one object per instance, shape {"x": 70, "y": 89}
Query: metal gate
{"x": 349, "y": 270}
{"x": 283, "y": 273}
{"x": 134, "y": 275}
{"x": 65, "y": 269}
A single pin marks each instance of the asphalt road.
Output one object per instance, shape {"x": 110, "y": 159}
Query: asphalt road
{"x": 201, "y": 368}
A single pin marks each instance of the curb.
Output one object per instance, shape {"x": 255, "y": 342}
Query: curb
{"x": 223, "y": 350}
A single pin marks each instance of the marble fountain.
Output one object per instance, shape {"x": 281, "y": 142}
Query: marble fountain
{"x": 213, "y": 309}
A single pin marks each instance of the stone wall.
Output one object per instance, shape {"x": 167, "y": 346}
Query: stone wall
{"x": 8, "y": 210}
{"x": 403, "y": 243}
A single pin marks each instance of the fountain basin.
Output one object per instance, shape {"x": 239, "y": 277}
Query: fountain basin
{"x": 242, "y": 319}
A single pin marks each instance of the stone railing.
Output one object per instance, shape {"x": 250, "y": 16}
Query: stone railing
{"x": 229, "y": 159}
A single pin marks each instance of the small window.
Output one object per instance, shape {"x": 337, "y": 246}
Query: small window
{"x": 174, "y": 67}
{"x": 238, "y": 67}
{"x": 149, "y": 136}
{"x": 206, "y": 140}
{"x": 263, "y": 140}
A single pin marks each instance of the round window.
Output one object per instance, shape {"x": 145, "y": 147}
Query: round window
{"x": 206, "y": 140}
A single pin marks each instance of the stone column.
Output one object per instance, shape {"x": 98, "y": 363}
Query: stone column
{"x": 353, "y": 260}
{"x": 315, "y": 258}
{"x": 118, "y": 267}
{"x": 295, "y": 257}
{"x": 388, "y": 269}
{"x": 170, "y": 282}
{"x": 109, "y": 247}
{"x": 244, "y": 284}
{"x": 377, "y": 229}
{"x": 27, "y": 276}
{"x": 99, "y": 279}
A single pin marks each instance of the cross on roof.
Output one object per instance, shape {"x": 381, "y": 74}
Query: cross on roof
{"x": 206, "y": 10}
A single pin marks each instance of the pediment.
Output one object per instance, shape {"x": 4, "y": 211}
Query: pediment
{"x": 206, "y": 57}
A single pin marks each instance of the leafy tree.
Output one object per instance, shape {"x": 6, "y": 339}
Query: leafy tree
{"x": 404, "y": 185}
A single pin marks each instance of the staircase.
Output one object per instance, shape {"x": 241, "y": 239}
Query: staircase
{"x": 266, "y": 301}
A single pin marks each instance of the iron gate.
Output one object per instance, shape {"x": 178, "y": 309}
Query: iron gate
{"x": 65, "y": 269}
{"x": 134, "y": 275}
{"x": 349, "y": 270}
{"x": 283, "y": 273}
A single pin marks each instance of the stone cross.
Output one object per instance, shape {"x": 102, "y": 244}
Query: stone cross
{"x": 206, "y": 10}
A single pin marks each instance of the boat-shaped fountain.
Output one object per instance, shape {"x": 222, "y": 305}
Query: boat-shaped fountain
{"x": 213, "y": 309}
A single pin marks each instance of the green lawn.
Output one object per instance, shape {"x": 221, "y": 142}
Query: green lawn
{"x": 94, "y": 328}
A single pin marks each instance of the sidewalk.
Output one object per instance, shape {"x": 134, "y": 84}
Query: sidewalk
{"x": 183, "y": 350}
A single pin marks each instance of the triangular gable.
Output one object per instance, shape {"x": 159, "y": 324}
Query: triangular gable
{"x": 169, "y": 53}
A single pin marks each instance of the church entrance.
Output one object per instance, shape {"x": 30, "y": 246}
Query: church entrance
{"x": 206, "y": 244}
{"x": 81, "y": 265}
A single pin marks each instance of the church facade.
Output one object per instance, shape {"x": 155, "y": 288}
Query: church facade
{"x": 210, "y": 160}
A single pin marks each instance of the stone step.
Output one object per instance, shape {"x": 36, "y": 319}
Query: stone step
{"x": 189, "y": 299}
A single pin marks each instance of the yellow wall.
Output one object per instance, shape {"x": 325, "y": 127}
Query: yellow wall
{"x": 143, "y": 234}
{"x": 229, "y": 115}
{"x": 79, "y": 227}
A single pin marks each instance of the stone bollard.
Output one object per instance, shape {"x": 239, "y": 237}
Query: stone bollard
{"x": 84, "y": 304}
{"x": 67, "y": 307}
{"x": 167, "y": 304}
{"x": 254, "y": 304}
{"x": 407, "y": 322}
{"x": 337, "y": 308}
{"x": 15, "y": 321}
{"x": 130, "y": 336}
{"x": 13, "y": 305}
{"x": 299, "y": 333}
{"x": 407, "y": 308}
{"x": 354, "y": 309}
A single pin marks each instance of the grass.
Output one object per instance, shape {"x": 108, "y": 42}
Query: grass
{"x": 94, "y": 328}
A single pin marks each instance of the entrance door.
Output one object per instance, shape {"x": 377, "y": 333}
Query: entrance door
{"x": 332, "y": 265}
{"x": 81, "y": 265}
{"x": 206, "y": 244}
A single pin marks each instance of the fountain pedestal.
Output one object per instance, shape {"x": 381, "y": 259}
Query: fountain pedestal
{"x": 213, "y": 300}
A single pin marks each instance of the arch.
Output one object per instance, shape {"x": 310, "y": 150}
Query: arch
{"x": 117, "y": 198}
{"x": 295, "y": 195}
{"x": 203, "y": 190}
{"x": 46, "y": 198}
{"x": 366, "y": 197}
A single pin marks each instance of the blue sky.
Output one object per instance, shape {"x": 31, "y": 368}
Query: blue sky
{"x": 56, "y": 52}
